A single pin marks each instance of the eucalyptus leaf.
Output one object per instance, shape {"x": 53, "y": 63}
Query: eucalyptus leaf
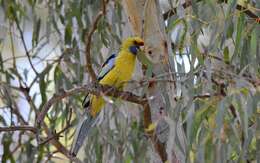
{"x": 68, "y": 34}
{"x": 36, "y": 32}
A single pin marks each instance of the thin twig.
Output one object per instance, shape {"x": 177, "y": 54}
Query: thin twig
{"x": 18, "y": 128}
{"x": 14, "y": 107}
{"x": 61, "y": 148}
{"x": 58, "y": 60}
{"x": 2, "y": 83}
{"x": 55, "y": 136}
{"x": 24, "y": 45}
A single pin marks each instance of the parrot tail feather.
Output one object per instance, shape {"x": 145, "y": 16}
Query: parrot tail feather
{"x": 82, "y": 131}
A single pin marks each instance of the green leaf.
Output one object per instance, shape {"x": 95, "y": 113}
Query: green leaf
{"x": 230, "y": 30}
{"x": 36, "y": 32}
{"x": 43, "y": 90}
{"x": 55, "y": 25}
{"x": 226, "y": 55}
{"x": 253, "y": 42}
{"x": 43, "y": 84}
{"x": 183, "y": 32}
{"x": 30, "y": 150}
{"x": 11, "y": 12}
{"x": 57, "y": 74}
{"x": 99, "y": 153}
{"x": 172, "y": 25}
{"x": 40, "y": 152}
{"x": 62, "y": 20}
{"x": 68, "y": 34}
{"x": 32, "y": 2}
{"x": 239, "y": 32}
{"x": 128, "y": 159}
{"x": 194, "y": 121}
{"x": 1, "y": 63}
{"x": 25, "y": 73}
{"x": 221, "y": 112}
{"x": 15, "y": 72}
{"x": 8, "y": 77}
{"x": 2, "y": 120}
{"x": 245, "y": 56}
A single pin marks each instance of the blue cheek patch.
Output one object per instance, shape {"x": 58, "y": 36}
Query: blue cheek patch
{"x": 134, "y": 49}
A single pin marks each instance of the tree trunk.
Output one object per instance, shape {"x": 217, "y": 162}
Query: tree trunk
{"x": 147, "y": 21}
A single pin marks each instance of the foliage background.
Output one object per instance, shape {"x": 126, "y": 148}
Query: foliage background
{"x": 216, "y": 61}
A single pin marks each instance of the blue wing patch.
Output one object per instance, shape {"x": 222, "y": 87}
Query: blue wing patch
{"x": 107, "y": 66}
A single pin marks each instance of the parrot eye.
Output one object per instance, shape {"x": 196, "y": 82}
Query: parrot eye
{"x": 135, "y": 42}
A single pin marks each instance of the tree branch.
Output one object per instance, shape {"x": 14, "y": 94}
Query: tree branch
{"x": 88, "y": 38}
{"x": 55, "y": 135}
{"x": 95, "y": 89}
{"x": 18, "y": 128}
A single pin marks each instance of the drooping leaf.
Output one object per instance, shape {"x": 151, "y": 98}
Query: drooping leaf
{"x": 25, "y": 74}
{"x": 68, "y": 34}
{"x": 239, "y": 33}
{"x": 36, "y": 32}
{"x": 226, "y": 55}
{"x": 1, "y": 62}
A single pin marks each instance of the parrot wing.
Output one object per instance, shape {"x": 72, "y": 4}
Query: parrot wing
{"x": 107, "y": 66}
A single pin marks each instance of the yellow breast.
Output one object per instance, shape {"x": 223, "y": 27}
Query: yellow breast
{"x": 122, "y": 71}
{"x": 118, "y": 77}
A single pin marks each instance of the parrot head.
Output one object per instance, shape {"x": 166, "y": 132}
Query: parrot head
{"x": 132, "y": 44}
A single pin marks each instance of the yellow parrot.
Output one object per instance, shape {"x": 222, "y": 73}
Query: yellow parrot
{"x": 116, "y": 71}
